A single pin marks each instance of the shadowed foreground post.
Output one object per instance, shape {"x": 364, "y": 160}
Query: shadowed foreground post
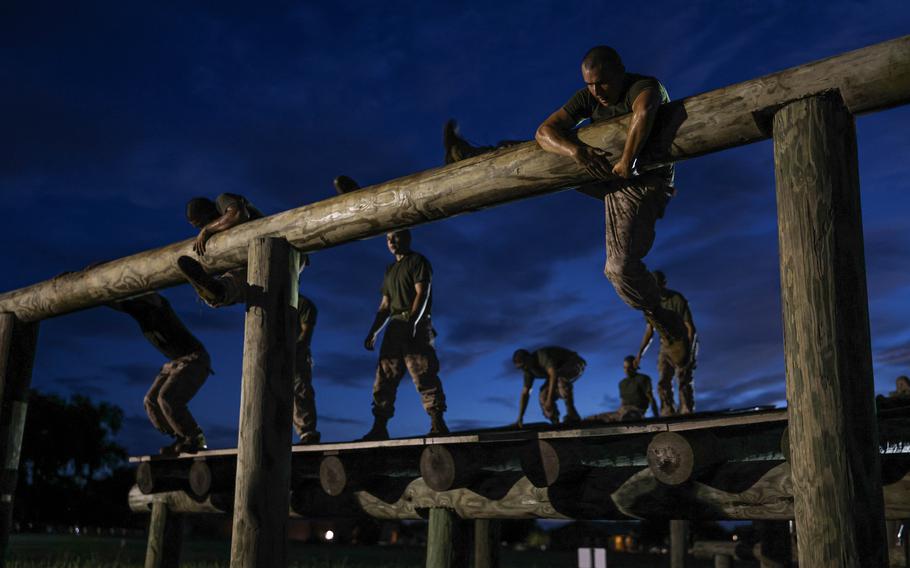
{"x": 486, "y": 543}
{"x": 165, "y": 537}
{"x": 679, "y": 543}
{"x": 261, "y": 500}
{"x": 833, "y": 433}
{"x": 17, "y": 357}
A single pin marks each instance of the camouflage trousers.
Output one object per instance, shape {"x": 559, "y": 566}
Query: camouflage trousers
{"x": 666, "y": 370}
{"x": 625, "y": 413}
{"x": 632, "y": 210}
{"x": 176, "y": 384}
{"x": 402, "y": 349}
{"x": 564, "y": 389}
{"x": 234, "y": 282}
{"x": 304, "y": 393}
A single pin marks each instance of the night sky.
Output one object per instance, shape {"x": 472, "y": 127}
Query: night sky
{"x": 114, "y": 114}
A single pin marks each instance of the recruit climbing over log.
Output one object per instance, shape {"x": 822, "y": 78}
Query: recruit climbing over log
{"x": 560, "y": 368}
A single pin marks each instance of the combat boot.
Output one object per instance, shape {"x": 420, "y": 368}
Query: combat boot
{"x": 192, "y": 444}
{"x": 344, "y": 184}
{"x": 311, "y": 437}
{"x": 170, "y": 449}
{"x": 437, "y": 425}
{"x": 207, "y": 286}
{"x": 378, "y": 431}
{"x": 456, "y": 147}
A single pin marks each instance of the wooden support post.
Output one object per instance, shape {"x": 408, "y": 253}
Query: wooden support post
{"x": 261, "y": 498}
{"x": 833, "y": 433}
{"x": 17, "y": 356}
{"x": 723, "y": 561}
{"x": 442, "y": 539}
{"x": 486, "y": 543}
{"x": 679, "y": 543}
{"x": 165, "y": 537}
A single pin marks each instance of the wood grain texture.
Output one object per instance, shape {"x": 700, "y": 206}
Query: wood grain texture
{"x": 679, "y": 543}
{"x": 869, "y": 79}
{"x": 441, "y": 539}
{"x": 22, "y": 340}
{"x": 487, "y": 536}
{"x": 165, "y": 538}
{"x": 833, "y": 433}
{"x": 261, "y": 499}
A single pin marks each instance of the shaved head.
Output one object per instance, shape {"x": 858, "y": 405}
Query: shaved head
{"x": 604, "y": 57}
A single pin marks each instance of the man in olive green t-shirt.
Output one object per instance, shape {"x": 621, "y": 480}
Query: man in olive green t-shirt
{"x": 304, "y": 394}
{"x": 635, "y": 395}
{"x": 675, "y": 302}
{"x": 560, "y": 368}
{"x": 407, "y": 301}
{"x": 634, "y": 200}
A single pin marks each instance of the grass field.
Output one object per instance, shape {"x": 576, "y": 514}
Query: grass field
{"x": 55, "y": 551}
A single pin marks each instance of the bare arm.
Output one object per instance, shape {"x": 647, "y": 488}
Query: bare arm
{"x": 555, "y": 135}
{"x": 382, "y": 315}
{"x": 645, "y": 342}
{"x": 523, "y": 399}
{"x": 419, "y": 305}
{"x": 644, "y": 111}
{"x": 232, "y": 217}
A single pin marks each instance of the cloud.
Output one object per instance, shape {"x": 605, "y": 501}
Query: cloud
{"x": 503, "y": 401}
{"x": 82, "y": 384}
{"x": 898, "y": 355}
{"x": 340, "y": 420}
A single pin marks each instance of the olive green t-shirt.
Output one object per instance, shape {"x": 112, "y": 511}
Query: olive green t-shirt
{"x": 225, "y": 200}
{"x": 306, "y": 311}
{"x": 634, "y": 391}
{"x": 583, "y": 105}
{"x": 160, "y": 325}
{"x": 677, "y": 303}
{"x": 400, "y": 278}
{"x": 547, "y": 358}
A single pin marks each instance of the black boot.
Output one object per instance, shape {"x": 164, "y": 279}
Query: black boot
{"x": 307, "y": 438}
{"x": 344, "y": 184}
{"x": 207, "y": 286}
{"x": 378, "y": 431}
{"x": 192, "y": 444}
{"x": 437, "y": 425}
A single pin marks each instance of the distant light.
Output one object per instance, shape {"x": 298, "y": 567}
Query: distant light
{"x": 329, "y": 535}
{"x": 735, "y": 538}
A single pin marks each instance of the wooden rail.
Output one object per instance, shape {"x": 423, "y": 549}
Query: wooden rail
{"x": 868, "y": 79}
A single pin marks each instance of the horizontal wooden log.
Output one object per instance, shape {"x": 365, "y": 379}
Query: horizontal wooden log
{"x": 745, "y": 551}
{"x": 179, "y": 502}
{"x": 162, "y": 475}
{"x": 869, "y": 79}
{"x": 676, "y": 458}
{"x": 212, "y": 476}
{"x": 445, "y": 467}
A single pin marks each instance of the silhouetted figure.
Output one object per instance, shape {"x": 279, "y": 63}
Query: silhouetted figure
{"x": 560, "y": 368}
{"x": 635, "y": 395}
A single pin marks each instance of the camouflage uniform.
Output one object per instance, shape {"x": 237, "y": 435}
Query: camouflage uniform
{"x": 304, "y": 394}
{"x": 405, "y": 347}
{"x": 676, "y": 303}
{"x": 234, "y": 281}
{"x": 180, "y": 378}
{"x": 569, "y": 367}
{"x": 634, "y": 394}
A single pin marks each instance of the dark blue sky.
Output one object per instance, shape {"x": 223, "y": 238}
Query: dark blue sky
{"x": 113, "y": 114}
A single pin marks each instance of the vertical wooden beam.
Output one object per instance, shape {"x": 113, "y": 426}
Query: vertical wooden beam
{"x": 261, "y": 502}
{"x": 441, "y": 534}
{"x": 679, "y": 543}
{"x": 17, "y": 357}
{"x": 833, "y": 433}
{"x": 165, "y": 537}
{"x": 722, "y": 561}
{"x": 486, "y": 543}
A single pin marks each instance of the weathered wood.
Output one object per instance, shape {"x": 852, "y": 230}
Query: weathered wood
{"x": 155, "y": 476}
{"x": 180, "y": 502}
{"x": 545, "y": 462}
{"x": 261, "y": 500}
{"x": 445, "y": 467}
{"x": 441, "y": 535}
{"x": 359, "y": 470}
{"x": 869, "y": 79}
{"x": 486, "y": 543}
{"x": 679, "y": 543}
{"x": 832, "y": 428}
{"x": 676, "y": 458}
{"x": 212, "y": 476}
{"x": 18, "y": 341}
{"x": 745, "y": 551}
{"x": 722, "y": 561}
{"x": 165, "y": 538}
{"x": 334, "y": 476}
